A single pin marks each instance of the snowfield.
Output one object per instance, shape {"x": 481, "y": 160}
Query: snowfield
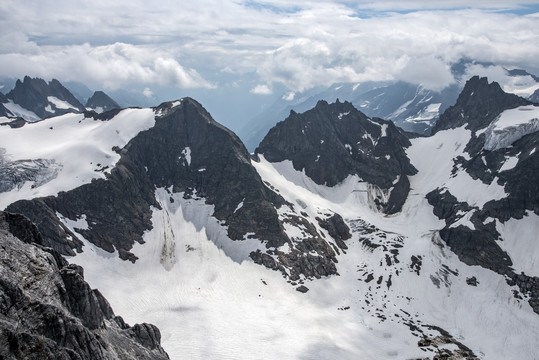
{"x": 211, "y": 301}
{"x": 81, "y": 147}
{"x": 19, "y": 111}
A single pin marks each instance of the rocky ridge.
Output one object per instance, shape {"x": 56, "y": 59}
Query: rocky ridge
{"x": 187, "y": 155}
{"x": 48, "y": 311}
{"x": 186, "y": 152}
{"x": 44, "y": 99}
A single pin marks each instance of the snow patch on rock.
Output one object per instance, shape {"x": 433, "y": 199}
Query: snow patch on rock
{"x": 60, "y": 104}
{"x": 187, "y": 155}
{"x": 19, "y": 111}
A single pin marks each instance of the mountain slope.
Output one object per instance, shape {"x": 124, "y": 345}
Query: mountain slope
{"x": 500, "y": 155}
{"x": 177, "y": 152}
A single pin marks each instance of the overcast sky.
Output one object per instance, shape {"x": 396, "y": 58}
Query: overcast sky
{"x": 260, "y": 47}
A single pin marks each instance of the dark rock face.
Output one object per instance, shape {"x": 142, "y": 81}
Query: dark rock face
{"x": 333, "y": 141}
{"x": 33, "y": 93}
{"x": 48, "y": 311}
{"x": 477, "y": 105}
{"x": 14, "y": 124}
{"x": 103, "y": 102}
{"x": 185, "y": 151}
{"x": 446, "y": 205}
{"x": 476, "y": 247}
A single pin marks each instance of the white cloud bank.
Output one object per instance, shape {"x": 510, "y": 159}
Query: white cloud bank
{"x": 298, "y": 44}
{"x": 262, "y": 90}
{"x": 113, "y": 65}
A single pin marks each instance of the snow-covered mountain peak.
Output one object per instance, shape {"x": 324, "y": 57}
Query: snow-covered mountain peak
{"x": 479, "y": 103}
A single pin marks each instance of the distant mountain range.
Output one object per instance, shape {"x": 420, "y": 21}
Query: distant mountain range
{"x": 410, "y": 106}
{"x": 33, "y": 99}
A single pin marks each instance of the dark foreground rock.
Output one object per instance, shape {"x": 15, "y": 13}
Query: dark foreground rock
{"x": 48, "y": 311}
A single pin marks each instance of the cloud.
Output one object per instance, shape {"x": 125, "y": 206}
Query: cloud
{"x": 262, "y": 90}
{"x": 297, "y": 44}
{"x": 403, "y": 5}
{"x": 111, "y": 66}
{"x": 432, "y": 73}
{"x": 289, "y": 96}
{"x": 523, "y": 85}
{"x": 148, "y": 93}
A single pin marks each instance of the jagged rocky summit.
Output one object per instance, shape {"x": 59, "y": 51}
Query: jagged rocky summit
{"x": 48, "y": 311}
{"x": 334, "y": 141}
{"x": 44, "y": 99}
{"x": 33, "y": 99}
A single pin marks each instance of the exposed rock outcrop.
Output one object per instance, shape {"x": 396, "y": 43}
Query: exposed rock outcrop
{"x": 48, "y": 311}
{"x": 477, "y": 105}
{"x": 515, "y": 166}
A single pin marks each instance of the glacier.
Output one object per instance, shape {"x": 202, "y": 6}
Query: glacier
{"x": 510, "y": 126}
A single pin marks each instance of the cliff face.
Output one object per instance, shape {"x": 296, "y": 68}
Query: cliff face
{"x": 48, "y": 311}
